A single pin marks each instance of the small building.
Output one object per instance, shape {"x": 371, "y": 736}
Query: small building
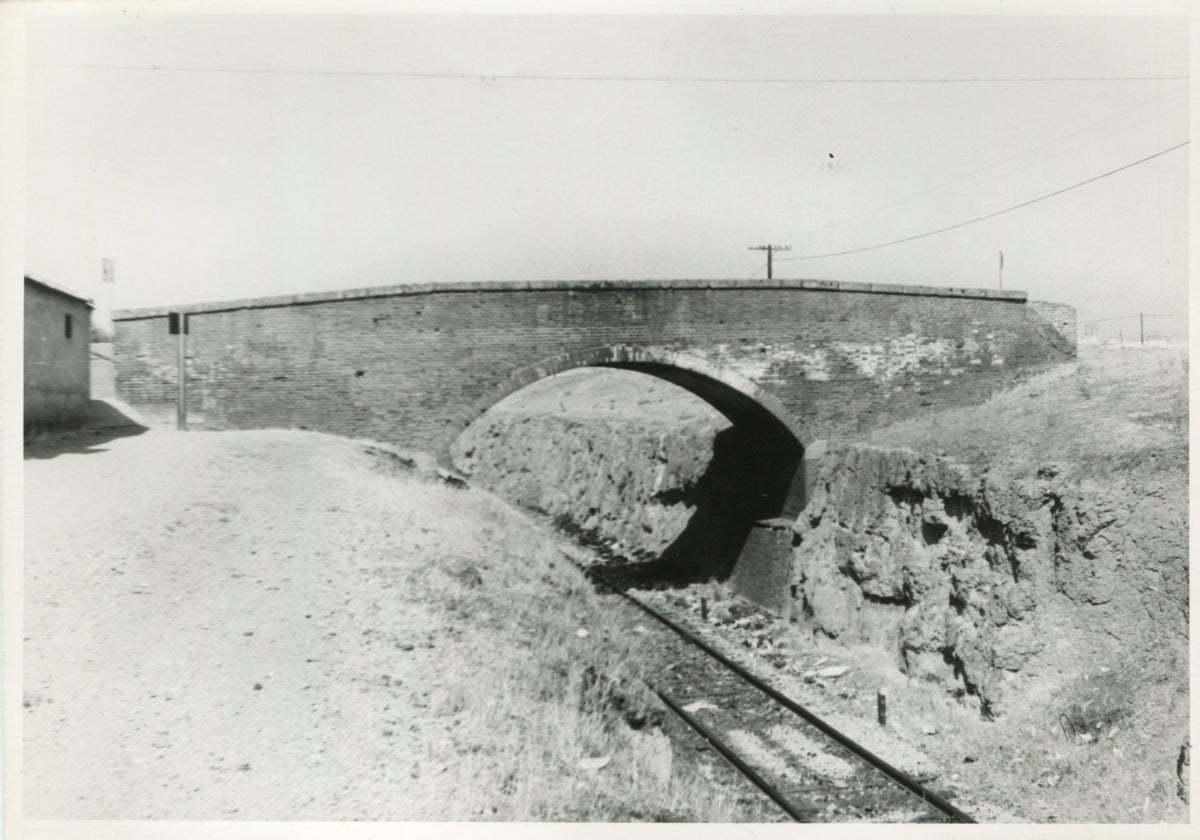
{"x": 58, "y": 328}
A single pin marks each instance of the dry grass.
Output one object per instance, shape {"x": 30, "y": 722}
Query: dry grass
{"x": 546, "y": 688}
{"x": 293, "y": 626}
{"x": 1096, "y": 752}
{"x": 1095, "y": 418}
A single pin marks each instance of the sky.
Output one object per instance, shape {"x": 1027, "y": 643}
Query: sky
{"x": 224, "y": 156}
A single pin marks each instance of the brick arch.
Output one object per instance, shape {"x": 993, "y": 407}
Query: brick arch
{"x": 735, "y": 396}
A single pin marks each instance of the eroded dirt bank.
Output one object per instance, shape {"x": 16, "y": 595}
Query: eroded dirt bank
{"x": 1026, "y": 558}
{"x": 631, "y": 486}
{"x": 989, "y": 585}
{"x": 985, "y": 584}
{"x": 982, "y": 576}
{"x": 634, "y": 466}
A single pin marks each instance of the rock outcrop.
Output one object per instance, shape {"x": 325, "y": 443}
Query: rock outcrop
{"x": 630, "y": 486}
{"x": 985, "y": 584}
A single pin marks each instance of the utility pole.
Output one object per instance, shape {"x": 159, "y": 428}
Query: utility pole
{"x": 106, "y": 276}
{"x": 770, "y": 249}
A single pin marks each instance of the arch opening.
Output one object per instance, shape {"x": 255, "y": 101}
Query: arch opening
{"x": 724, "y": 389}
{"x": 755, "y": 471}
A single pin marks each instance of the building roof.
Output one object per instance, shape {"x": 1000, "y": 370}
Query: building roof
{"x": 60, "y": 290}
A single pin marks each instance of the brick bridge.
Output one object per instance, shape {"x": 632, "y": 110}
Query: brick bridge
{"x": 792, "y": 363}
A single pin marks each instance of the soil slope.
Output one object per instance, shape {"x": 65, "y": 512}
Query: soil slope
{"x": 284, "y": 625}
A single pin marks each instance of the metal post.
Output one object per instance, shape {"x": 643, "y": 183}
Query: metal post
{"x": 181, "y": 401}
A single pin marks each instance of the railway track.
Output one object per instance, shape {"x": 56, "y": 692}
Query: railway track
{"x": 810, "y": 770}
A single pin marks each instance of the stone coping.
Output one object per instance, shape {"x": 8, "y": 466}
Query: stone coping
{"x": 568, "y": 285}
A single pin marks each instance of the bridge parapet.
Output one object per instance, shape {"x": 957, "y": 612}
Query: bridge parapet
{"x": 501, "y": 286}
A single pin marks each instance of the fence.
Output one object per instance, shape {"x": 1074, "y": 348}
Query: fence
{"x": 1138, "y": 328}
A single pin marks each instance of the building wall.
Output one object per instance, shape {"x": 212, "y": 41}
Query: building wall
{"x": 57, "y": 378}
{"x": 409, "y": 364}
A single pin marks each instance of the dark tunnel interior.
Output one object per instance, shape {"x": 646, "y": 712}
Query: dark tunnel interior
{"x": 755, "y": 473}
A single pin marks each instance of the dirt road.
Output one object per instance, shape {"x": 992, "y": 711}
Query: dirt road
{"x": 207, "y": 632}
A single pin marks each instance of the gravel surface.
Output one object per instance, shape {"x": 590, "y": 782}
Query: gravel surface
{"x": 208, "y": 634}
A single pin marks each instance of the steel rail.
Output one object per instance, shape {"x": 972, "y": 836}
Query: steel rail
{"x": 729, "y": 755}
{"x": 894, "y": 773}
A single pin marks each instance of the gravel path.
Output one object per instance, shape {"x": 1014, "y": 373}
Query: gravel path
{"x": 208, "y": 634}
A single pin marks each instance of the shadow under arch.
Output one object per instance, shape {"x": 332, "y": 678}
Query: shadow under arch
{"x": 757, "y": 469}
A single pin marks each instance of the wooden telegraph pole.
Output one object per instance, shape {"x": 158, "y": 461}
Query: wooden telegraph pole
{"x": 107, "y": 276}
{"x": 770, "y": 249}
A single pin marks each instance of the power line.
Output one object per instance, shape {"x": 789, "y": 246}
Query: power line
{"x": 1135, "y": 315}
{"x": 1089, "y": 129}
{"x": 579, "y": 78}
{"x": 989, "y": 215}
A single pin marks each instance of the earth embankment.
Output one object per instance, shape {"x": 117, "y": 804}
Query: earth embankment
{"x": 983, "y": 546}
{"x": 1027, "y": 557}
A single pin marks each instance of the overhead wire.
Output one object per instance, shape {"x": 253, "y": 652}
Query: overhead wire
{"x": 690, "y": 79}
{"x": 760, "y": 270}
{"x": 988, "y": 215}
{"x": 1089, "y": 130}
{"x": 600, "y": 78}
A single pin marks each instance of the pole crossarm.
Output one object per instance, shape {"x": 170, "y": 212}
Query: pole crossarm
{"x": 770, "y": 249}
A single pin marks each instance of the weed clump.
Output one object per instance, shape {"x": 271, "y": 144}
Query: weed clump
{"x": 1097, "y": 704}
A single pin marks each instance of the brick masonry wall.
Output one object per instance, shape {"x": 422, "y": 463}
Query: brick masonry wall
{"x": 1058, "y": 315}
{"x": 405, "y": 364}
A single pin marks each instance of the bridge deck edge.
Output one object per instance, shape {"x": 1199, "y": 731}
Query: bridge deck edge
{"x": 570, "y": 286}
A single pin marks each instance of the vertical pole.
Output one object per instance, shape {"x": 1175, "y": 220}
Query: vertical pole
{"x": 106, "y": 272}
{"x": 181, "y": 401}
{"x": 1142, "y": 326}
{"x": 1000, "y": 276}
